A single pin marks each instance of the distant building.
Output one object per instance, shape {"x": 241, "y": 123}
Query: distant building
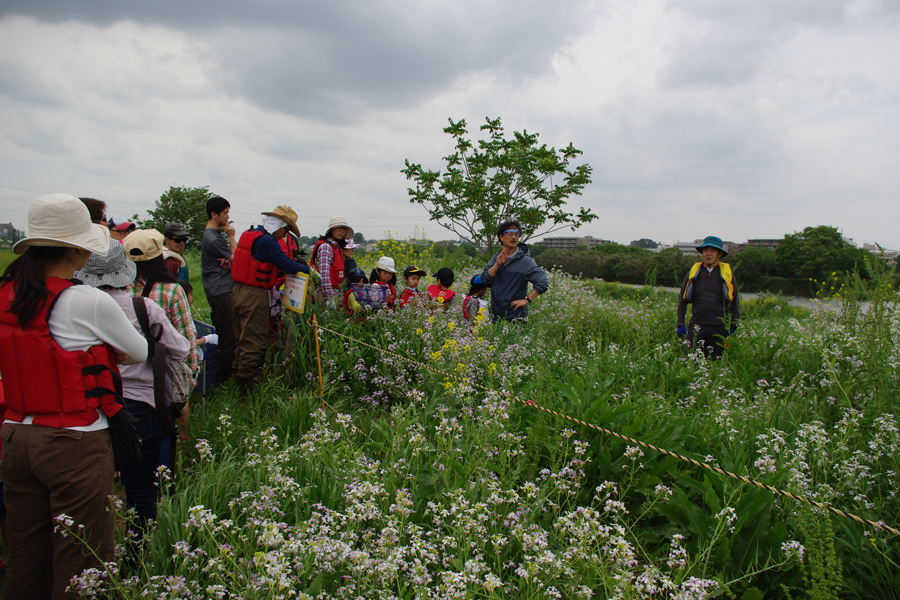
{"x": 9, "y": 234}
{"x": 691, "y": 247}
{"x": 889, "y": 255}
{"x": 570, "y": 243}
{"x": 770, "y": 244}
{"x": 687, "y": 247}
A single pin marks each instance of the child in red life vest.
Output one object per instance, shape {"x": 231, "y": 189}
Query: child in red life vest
{"x": 351, "y": 304}
{"x": 474, "y": 303}
{"x": 411, "y": 276}
{"x": 441, "y": 291}
{"x": 385, "y": 274}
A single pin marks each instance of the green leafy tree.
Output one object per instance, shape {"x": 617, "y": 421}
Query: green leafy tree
{"x": 644, "y": 243}
{"x": 500, "y": 179}
{"x": 359, "y": 238}
{"x": 183, "y": 204}
{"x": 752, "y": 265}
{"x": 815, "y": 253}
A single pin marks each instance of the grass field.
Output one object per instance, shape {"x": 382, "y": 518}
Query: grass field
{"x": 426, "y": 478}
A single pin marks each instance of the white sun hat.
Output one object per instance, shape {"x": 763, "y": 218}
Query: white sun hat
{"x": 63, "y": 220}
{"x": 339, "y": 222}
{"x": 386, "y": 263}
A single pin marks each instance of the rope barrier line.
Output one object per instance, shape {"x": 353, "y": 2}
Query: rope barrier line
{"x": 881, "y": 525}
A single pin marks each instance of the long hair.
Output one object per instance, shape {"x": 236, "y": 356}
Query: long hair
{"x": 340, "y": 243}
{"x": 29, "y": 282}
{"x": 154, "y": 271}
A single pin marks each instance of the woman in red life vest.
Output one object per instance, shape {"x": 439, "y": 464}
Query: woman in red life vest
{"x": 441, "y": 291}
{"x": 385, "y": 274}
{"x": 59, "y": 345}
{"x": 328, "y": 256}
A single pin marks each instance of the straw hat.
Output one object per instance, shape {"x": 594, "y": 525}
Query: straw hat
{"x": 286, "y": 214}
{"x": 144, "y": 244}
{"x": 113, "y": 269}
{"x": 63, "y": 220}
{"x": 339, "y": 222}
{"x": 386, "y": 263}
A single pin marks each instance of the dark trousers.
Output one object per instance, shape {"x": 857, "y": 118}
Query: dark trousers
{"x": 141, "y": 490}
{"x": 708, "y": 338}
{"x": 250, "y": 315}
{"x": 221, "y": 320}
{"x": 46, "y": 472}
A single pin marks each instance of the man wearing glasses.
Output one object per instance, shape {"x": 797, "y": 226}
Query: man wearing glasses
{"x": 176, "y": 237}
{"x": 508, "y": 274}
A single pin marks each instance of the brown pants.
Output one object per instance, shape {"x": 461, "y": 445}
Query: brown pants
{"x": 47, "y": 472}
{"x": 250, "y": 317}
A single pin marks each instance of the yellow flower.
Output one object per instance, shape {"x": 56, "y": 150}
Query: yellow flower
{"x": 451, "y": 326}
{"x": 448, "y": 385}
{"x": 419, "y": 331}
{"x": 436, "y": 355}
{"x": 431, "y": 319}
{"x": 492, "y": 368}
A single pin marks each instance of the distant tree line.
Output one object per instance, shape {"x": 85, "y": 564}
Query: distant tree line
{"x": 815, "y": 253}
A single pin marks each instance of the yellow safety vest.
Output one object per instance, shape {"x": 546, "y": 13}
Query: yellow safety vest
{"x": 727, "y": 277}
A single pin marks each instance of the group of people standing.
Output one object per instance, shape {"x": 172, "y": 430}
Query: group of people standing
{"x": 73, "y": 356}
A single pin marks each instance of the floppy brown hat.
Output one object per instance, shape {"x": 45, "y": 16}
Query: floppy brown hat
{"x": 286, "y": 214}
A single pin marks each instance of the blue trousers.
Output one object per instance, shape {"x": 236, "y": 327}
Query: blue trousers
{"x": 140, "y": 482}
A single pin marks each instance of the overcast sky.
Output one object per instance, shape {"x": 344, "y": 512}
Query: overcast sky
{"x": 737, "y": 118}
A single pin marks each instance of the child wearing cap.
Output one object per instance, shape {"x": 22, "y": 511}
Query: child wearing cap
{"x": 474, "y": 304}
{"x": 385, "y": 274}
{"x": 441, "y": 291}
{"x": 411, "y": 275}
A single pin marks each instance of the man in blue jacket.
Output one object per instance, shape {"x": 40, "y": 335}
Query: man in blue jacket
{"x": 508, "y": 274}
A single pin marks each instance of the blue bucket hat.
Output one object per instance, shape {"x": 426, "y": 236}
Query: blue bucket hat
{"x": 712, "y": 241}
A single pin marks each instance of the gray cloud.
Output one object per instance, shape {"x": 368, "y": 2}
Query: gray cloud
{"x": 731, "y": 41}
{"x": 333, "y": 61}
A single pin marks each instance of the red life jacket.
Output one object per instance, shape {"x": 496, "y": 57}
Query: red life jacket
{"x": 289, "y": 246}
{"x": 408, "y": 295}
{"x": 435, "y": 292}
{"x": 247, "y": 270}
{"x": 61, "y": 388}
{"x": 337, "y": 263}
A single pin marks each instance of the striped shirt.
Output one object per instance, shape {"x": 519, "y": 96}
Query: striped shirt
{"x": 173, "y": 300}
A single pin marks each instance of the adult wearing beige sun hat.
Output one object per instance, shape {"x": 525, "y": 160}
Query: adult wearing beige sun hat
{"x": 59, "y": 346}
{"x": 328, "y": 255}
{"x": 258, "y": 261}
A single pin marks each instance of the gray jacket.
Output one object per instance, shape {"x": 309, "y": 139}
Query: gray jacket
{"x": 511, "y": 282}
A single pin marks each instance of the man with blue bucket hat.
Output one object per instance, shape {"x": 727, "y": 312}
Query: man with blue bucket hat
{"x": 711, "y": 288}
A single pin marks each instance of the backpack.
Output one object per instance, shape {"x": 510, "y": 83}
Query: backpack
{"x": 172, "y": 379}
